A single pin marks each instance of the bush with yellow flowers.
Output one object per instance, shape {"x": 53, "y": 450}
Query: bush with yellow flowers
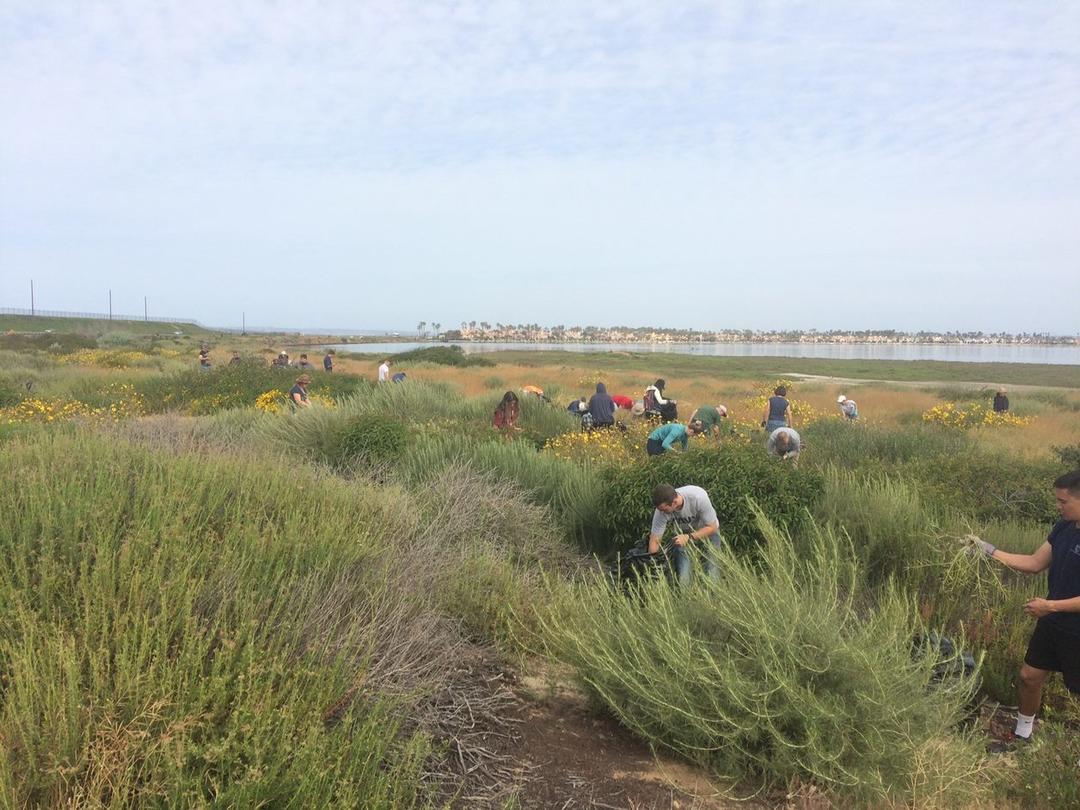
{"x": 115, "y": 401}
{"x": 270, "y": 402}
{"x": 802, "y": 412}
{"x": 275, "y": 401}
{"x": 604, "y": 446}
{"x": 971, "y": 415}
{"x": 104, "y": 358}
{"x": 45, "y": 411}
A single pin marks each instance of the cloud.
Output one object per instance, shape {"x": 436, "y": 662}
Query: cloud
{"x": 950, "y": 134}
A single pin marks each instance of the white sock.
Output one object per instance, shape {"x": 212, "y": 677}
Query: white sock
{"x": 1024, "y": 725}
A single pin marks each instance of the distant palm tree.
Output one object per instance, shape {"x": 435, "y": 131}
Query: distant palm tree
{"x": 421, "y": 328}
{"x": 436, "y": 327}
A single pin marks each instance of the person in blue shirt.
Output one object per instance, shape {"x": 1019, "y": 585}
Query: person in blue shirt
{"x": 664, "y": 437}
{"x": 1055, "y": 642}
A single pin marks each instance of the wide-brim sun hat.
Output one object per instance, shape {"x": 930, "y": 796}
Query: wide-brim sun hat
{"x": 722, "y": 410}
{"x": 841, "y": 398}
{"x": 303, "y": 378}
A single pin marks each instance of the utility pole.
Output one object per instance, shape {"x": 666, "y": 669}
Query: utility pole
{"x": 243, "y": 323}
{"x": 31, "y": 298}
{"x": 145, "y": 315}
{"x": 110, "y": 305}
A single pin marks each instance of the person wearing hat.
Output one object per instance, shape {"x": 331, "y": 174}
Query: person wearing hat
{"x": 1001, "y": 401}
{"x": 848, "y": 407}
{"x": 709, "y": 417}
{"x": 282, "y": 360}
{"x": 298, "y": 393}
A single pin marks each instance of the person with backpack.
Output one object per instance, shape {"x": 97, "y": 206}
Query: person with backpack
{"x": 777, "y": 411}
{"x": 690, "y": 509}
{"x": 657, "y": 405}
{"x": 506, "y": 413}
{"x": 602, "y": 407}
{"x": 848, "y": 408}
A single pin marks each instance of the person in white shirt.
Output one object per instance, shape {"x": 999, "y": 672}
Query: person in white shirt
{"x": 384, "y": 371}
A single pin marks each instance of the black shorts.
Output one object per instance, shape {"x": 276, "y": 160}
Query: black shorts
{"x": 1055, "y": 650}
{"x": 654, "y": 447}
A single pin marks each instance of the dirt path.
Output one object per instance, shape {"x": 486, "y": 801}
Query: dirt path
{"x": 567, "y": 756}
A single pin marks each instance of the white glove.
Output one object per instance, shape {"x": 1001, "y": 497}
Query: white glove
{"x": 977, "y": 545}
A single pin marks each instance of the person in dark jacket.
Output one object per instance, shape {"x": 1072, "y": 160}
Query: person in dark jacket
{"x": 1001, "y": 401}
{"x": 602, "y": 407}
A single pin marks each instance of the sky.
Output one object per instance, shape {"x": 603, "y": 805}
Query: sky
{"x": 370, "y": 165}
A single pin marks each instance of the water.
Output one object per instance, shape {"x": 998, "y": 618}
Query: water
{"x": 969, "y": 353}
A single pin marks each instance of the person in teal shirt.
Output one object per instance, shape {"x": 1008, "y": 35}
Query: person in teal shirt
{"x": 664, "y": 437}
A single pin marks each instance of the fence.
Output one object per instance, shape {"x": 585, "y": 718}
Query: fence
{"x": 269, "y": 330}
{"x": 50, "y": 313}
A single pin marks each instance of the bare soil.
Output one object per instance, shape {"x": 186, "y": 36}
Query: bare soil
{"x": 565, "y": 755}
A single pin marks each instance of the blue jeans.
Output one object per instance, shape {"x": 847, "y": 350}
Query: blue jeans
{"x": 773, "y": 424}
{"x": 707, "y": 548}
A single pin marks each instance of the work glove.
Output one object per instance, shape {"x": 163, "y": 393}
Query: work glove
{"x": 976, "y": 545}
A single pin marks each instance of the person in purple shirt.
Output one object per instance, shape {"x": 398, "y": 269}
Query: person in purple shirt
{"x": 1055, "y": 642}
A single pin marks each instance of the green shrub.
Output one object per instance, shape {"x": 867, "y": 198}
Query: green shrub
{"x": 568, "y": 489}
{"x": 780, "y": 670}
{"x": 186, "y": 631}
{"x": 443, "y": 356}
{"x": 55, "y": 342}
{"x": 733, "y": 475}
{"x": 371, "y": 439}
{"x": 990, "y": 486}
{"x": 201, "y": 392}
{"x": 834, "y": 441}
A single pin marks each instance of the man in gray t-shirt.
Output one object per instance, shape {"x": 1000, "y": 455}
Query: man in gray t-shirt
{"x": 695, "y": 518}
{"x": 785, "y": 443}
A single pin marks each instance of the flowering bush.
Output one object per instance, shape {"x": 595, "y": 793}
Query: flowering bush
{"x": 802, "y": 412}
{"x": 104, "y": 358}
{"x": 276, "y": 401}
{"x": 608, "y": 446}
{"x": 44, "y": 411}
{"x": 270, "y": 401}
{"x": 973, "y": 415}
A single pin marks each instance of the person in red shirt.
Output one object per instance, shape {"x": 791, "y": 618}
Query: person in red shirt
{"x": 622, "y": 401}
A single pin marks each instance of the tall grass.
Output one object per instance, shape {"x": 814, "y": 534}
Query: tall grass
{"x": 781, "y": 670}
{"x": 181, "y": 630}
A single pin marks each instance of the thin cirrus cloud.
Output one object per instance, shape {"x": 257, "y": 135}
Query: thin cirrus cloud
{"x": 425, "y": 146}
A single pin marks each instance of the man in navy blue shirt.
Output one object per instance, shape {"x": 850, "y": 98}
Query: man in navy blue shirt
{"x": 1055, "y": 644}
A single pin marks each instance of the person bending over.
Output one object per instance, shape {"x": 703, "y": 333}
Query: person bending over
{"x": 695, "y": 518}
